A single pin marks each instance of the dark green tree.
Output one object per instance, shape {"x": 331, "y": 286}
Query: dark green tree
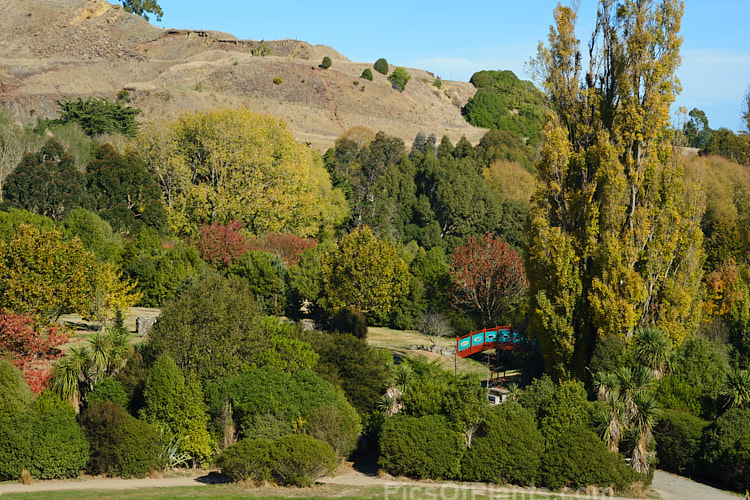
{"x": 46, "y": 183}
{"x": 99, "y": 116}
{"x": 326, "y": 63}
{"x": 211, "y": 330}
{"x": 366, "y": 74}
{"x": 123, "y": 191}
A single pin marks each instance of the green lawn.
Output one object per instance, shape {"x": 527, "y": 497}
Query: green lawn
{"x": 398, "y": 342}
{"x": 318, "y": 492}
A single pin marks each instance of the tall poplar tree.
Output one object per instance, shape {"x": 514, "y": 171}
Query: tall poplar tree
{"x": 614, "y": 237}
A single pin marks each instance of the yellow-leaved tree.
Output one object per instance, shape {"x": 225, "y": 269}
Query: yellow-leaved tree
{"x": 614, "y": 239}
{"x": 225, "y": 165}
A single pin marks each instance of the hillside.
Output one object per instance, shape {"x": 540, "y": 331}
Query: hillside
{"x": 68, "y": 48}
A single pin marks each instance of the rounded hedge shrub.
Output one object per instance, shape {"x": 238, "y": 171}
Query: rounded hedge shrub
{"x": 15, "y": 395}
{"x": 121, "y": 445}
{"x": 366, "y": 74}
{"x": 725, "y": 449}
{"x": 507, "y": 449}
{"x": 326, "y": 63}
{"x": 381, "y": 66}
{"x": 350, "y": 320}
{"x": 109, "y": 389}
{"x": 298, "y": 460}
{"x": 247, "y": 459}
{"x": 577, "y": 458}
{"x": 48, "y": 443}
{"x": 15, "y": 444}
{"x": 678, "y": 438}
{"x": 59, "y": 446}
{"x": 420, "y": 447}
{"x": 277, "y": 80}
{"x": 337, "y": 425}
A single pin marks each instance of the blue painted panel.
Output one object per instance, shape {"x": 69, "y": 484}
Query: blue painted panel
{"x": 490, "y": 336}
{"x": 504, "y": 335}
{"x": 477, "y": 339}
{"x": 464, "y": 344}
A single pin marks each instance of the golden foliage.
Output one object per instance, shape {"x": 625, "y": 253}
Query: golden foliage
{"x": 510, "y": 179}
{"x": 224, "y": 165}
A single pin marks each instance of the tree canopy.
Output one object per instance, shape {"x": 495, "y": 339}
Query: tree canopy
{"x": 615, "y": 241}
{"x": 364, "y": 272}
{"x": 225, "y": 165}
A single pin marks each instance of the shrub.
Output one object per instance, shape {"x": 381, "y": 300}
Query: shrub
{"x": 46, "y": 441}
{"x": 399, "y": 78}
{"x": 326, "y": 63}
{"x": 15, "y": 395}
{"x": 507, "y": 449}
{"x": 59, "y": 446}
{"x": 350, "y": 320}
{"x": 678, "y": 437}
{"x": 366, "y": 74}
{"x": 108, "y": 389}
{"x": 268, "y": 426}
{"x": 247, "y": 459}
{"x": 438, "y": 83}
{"x": 298, "y": 460}
{"x": 121, "y": 445}
{"x": 577, "y": 458}
{"x": 381, "y": 66}
{"x": 15, "y": 444}
{"x": 725, "y": 449}
{"x": 95, "y": 233}
{"x": 420, "y": 447}
{"x": 360, "y": 369}
{"x": 277, "y": 80}
{"x": 339, "y": 426}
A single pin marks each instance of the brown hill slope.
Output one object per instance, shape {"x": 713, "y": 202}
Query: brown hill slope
{"x": 68, "y": 48}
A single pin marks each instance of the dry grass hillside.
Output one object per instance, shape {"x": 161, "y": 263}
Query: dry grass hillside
{"x": 68, "y": 48}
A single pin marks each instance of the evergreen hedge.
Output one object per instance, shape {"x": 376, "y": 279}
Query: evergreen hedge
{"x": 420, "y": 447}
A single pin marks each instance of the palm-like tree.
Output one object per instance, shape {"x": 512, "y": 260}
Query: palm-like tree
{"x": 104, "y": 355}
{"x": 610, "y": 421}
{"x": 642, "y": 423}
{"x": 65, "y": 381}
{"x": 737, "y": 389}
{"x": 629, "y": 404}
{"x": 514, "y": 390}
{"x": 652, "y": 349}
{"x": 605, "y": 383}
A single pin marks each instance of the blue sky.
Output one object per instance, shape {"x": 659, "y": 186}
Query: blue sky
{"x": 455, "y": 39}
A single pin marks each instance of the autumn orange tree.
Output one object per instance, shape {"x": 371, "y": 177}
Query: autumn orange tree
{"x": 614, "y": 236}
{"x": 488, "y": 277}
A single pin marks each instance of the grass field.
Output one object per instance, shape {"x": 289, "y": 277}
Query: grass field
{"x": 398, "y": 342}
{"x": 317, "y": 492}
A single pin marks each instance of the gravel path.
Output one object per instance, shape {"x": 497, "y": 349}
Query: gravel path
{"x": 667, "y": 486}
{"x": 674, "y": 487}
{"x": 106, "y": 483}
